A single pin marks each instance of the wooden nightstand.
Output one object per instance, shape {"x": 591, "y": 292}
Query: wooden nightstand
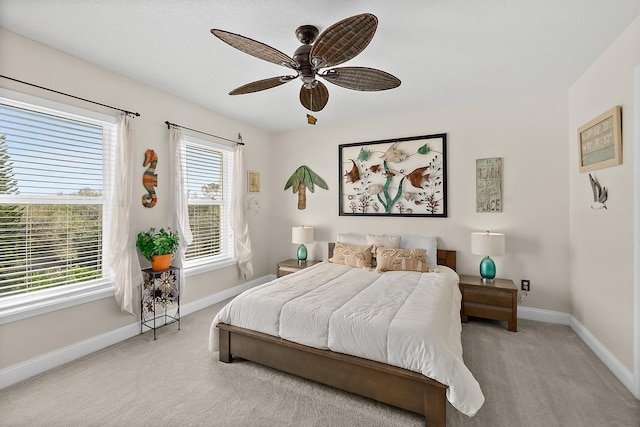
{"x": 291, "y": 266}
{"x": 492, "y": 300}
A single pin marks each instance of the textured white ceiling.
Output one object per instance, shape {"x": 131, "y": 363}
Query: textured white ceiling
{"x": 445, "y": 52}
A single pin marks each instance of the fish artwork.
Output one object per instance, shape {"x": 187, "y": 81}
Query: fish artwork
{"x": 150, "y": 179}
{"x": 354, "y": 174}
{"x": 374, "y": 189}
{"x": 394, "y": 155}
{"x": 416, "y": 177}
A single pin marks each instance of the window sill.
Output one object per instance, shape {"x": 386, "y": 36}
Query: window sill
{"x": 25, "y": 306}
{"x": 21, "y": 307}
{"x": 203, "y": 267}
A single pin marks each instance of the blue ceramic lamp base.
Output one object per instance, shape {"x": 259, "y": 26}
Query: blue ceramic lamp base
{"x": 302, "y": 254}
{"x": 487, "y": 270}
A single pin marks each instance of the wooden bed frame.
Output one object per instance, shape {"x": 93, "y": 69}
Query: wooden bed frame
{"x": 378, "y": 381}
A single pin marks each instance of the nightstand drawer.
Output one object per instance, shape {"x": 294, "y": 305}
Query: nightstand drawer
{"x": 487, "y": 311}
{"x": 283, "y": 271}
{"x": 488, "y": 296}
{"x": 291, "y": 266}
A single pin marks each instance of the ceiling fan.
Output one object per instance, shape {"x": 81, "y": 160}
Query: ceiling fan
{"x": 339, "y": 43}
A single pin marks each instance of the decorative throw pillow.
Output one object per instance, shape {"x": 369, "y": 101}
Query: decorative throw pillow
{"x": 382, "y": 240}
{"x": 393, "y": 259}
{"x": 352, "y": 239}
{"x": 430, "y": 243}
{"x": 353, "y": 255}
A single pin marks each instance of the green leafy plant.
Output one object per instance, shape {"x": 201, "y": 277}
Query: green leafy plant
{"x": 159, "y": 242}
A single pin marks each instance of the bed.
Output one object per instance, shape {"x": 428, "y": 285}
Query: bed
{"x": 324, "y": 323}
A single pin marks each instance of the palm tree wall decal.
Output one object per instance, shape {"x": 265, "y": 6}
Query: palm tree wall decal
{"x": 301, "y": 180}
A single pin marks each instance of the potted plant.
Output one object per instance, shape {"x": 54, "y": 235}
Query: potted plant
{"x": 158, "y": 246}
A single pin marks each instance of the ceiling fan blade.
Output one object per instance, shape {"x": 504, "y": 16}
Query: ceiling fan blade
{"x": 259, "y": 85}
{"x": 343, "y": 40}
{"x": 315, "y": 98}
{"x": 255, "y": 48}
{"x": 361, "y": 78}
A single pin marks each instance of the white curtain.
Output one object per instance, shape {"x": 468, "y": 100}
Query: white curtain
{"x": 240, "y": 225}
{"x": 179, "y": 200}
{"x": 121, "y": 252}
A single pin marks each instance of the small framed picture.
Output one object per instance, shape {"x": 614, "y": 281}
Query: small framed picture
{"x": 253, "y": 182}
{"x": 600, "y": 141}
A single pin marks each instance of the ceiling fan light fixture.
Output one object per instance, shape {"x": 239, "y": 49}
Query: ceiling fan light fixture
{"x": 318, "y": 62}
{"x": 338, "y": 43}
{"x": 311, "y": 84}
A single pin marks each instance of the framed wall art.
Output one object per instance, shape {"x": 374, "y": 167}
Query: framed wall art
{"x": 394, "y": 177}
{"x": 489, "y": 185}
{"x": 600, "y": 141}
{"x": 253, "y": 182}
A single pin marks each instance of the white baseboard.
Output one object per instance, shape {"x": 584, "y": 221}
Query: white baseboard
{"x": 541, "y": 315}
{"x": 37, "y": 365}
{"x": 618, "y": 369}
{"x": 29, "y": 368}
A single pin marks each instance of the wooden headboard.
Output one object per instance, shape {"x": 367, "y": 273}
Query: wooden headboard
{"x": 445, "y": 257}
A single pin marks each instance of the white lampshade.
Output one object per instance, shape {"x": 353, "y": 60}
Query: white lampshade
{"x": 302, "y": 235}
{"x": 487, "y": 244}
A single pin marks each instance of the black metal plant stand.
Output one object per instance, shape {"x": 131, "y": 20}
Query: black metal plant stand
{"x": 159, "y": 288}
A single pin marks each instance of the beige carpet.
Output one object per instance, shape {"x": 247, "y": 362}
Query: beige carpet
{"x": 541, "y": 376}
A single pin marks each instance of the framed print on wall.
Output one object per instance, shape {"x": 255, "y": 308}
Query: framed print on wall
{"x": 600, "y": 141}
{"x": 394, "y": 177}
{"x": 253, "y": 182}
{"x": 489, "y": 185}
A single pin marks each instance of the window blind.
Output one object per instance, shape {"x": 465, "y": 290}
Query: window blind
{"x": 54, "y": 179}
{"x": 209, "y": 185}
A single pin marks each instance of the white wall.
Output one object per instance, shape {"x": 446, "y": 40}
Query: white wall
{"x": 528, "y": 133}
{"x": 602, "y": 240}
{"x": 553, "y": 238}
{"x": 39, "y": 64}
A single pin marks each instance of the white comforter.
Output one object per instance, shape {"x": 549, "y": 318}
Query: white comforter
{"x": 406, "y": 319}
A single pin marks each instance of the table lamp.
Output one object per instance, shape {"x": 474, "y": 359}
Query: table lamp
{"x": 302, "y": 235}
{"x": 487, "y": 244}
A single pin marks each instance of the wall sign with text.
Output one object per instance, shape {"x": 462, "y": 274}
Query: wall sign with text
{"x": 600, "y": 141}
{"x": 489, "y": 185}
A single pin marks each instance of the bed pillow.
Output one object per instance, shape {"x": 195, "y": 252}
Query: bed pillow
{"x": 353, "y": 255}
{"x": 396, "y": 259}
{"x": 352, "y": 239}
{"x": 382, "y": 240}
{"x": 430, "y": 243}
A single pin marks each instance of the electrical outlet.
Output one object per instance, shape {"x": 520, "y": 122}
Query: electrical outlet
{"x": 525, "y": 285}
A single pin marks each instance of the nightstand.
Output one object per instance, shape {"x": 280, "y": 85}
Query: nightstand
{"x": 291, "y": 266}
{"x": 492, "y": 300}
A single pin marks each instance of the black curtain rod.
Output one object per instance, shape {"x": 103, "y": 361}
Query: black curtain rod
{"x": 127, "y": 112}
{"x": 239, "y": 141}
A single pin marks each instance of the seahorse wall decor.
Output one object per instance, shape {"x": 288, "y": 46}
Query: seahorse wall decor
{"x": 150, "y": 179}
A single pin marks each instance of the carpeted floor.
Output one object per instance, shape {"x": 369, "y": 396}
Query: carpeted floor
{"x": 543, "y": 375}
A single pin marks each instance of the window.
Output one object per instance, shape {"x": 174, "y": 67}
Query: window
{"x": 209, "y": 187}
{"x": 54, "y": 176}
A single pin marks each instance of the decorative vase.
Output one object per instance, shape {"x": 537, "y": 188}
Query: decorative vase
{"x": 161, "y": 262}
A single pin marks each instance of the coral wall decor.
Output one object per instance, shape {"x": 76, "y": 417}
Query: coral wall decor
{"x": 394, "y": 177}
